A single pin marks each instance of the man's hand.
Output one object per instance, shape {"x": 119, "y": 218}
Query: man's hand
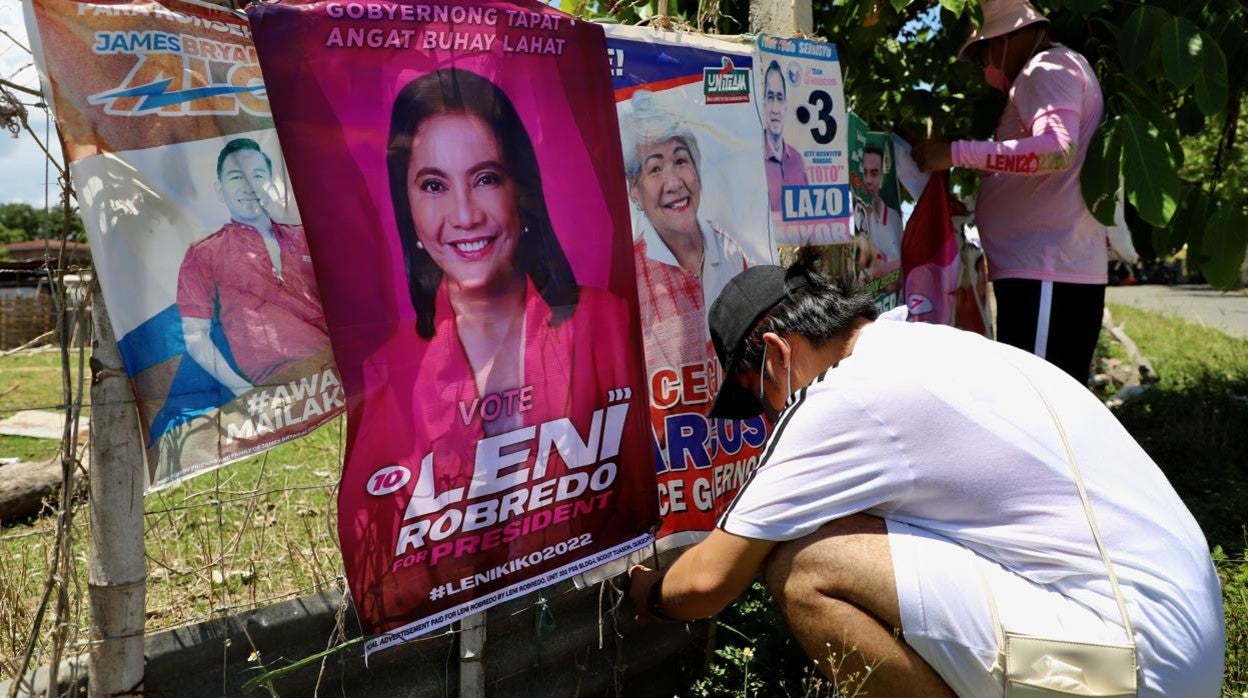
{"x": 932, "y": 155}
{"x": 640, "y": 580}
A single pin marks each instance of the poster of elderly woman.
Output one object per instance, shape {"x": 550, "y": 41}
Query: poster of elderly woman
{"x": 689, "y": 129}
{"x": 473, "y": 248}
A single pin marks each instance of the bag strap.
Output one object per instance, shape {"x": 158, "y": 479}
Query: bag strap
{"x": 999, "y": 662}
{"x": 1087, "y": 510}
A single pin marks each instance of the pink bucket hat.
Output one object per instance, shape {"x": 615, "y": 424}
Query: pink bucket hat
{"x": 1000, "y": 18}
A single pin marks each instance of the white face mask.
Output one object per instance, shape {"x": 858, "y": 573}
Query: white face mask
{"x": 762, "y": 383}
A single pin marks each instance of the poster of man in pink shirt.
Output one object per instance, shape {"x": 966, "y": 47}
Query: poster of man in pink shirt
{"x": 805, "y": 149}
{"x": 195, "y": 236}
{"x": 784, "y": 164}
{"x": 253, "y": 278}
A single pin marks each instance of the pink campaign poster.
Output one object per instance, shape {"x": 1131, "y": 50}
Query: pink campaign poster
{"x": 462, "y": 185}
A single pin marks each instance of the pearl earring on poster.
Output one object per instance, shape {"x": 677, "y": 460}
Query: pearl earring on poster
{"x": 420, "y": 245}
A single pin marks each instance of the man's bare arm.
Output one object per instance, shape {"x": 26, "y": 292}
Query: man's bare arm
{"x": 197, "y": 333}
{"x": 704, "y": 580}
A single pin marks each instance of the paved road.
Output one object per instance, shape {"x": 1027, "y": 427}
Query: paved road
{"x": 1202, "y": 305}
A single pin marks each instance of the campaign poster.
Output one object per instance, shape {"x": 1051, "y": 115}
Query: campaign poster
{"x": 805, "y": 146}
{"x": 877, "y": 213}
{"x": 689, "y": 132}
{"x": 463, "y": 190}
{"x": 196, "y": 238}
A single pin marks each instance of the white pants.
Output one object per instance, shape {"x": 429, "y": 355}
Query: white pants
{"x": 947, "y": 620}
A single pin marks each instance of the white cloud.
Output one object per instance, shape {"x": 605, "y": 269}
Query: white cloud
{"x": 22, "y": 163}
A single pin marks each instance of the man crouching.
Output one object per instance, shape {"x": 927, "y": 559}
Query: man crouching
{"x": 926, "y": 480}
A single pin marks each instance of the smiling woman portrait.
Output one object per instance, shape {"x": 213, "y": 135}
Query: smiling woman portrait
{"x": 493, "y": 291}
{"x": 683, "y": 259}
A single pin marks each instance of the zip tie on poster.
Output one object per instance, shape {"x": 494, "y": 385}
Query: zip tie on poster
{"x": 545, "y": 619}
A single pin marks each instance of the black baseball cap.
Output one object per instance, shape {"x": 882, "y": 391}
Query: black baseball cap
{"x": 742, "y": 303}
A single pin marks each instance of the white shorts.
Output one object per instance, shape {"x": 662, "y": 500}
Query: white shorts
{"x": 946, "y": 619}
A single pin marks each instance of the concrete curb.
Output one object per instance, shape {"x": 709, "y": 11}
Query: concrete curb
{"x": 584, "y": 654}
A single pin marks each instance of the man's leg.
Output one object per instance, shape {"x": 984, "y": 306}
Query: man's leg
{"x": 837, "y": 591}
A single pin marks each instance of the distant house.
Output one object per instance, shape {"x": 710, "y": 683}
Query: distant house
{"x": 28, "y": 271}
{"x": 77, "y": 254}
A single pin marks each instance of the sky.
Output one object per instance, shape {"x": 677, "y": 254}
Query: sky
{"x": 21, "y": 161}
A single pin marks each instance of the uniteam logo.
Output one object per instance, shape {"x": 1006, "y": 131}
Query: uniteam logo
{"x": 726, "y": 84}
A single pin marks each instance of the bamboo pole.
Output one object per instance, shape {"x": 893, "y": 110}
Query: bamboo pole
{"x": 472, "y": 656}
{"x": 118, "y": 573}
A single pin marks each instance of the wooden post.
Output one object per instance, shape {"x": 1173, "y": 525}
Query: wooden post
{"x": 472, "y": 656}
{"x": 117, "y": 569}
{"x": 782, "y": 17}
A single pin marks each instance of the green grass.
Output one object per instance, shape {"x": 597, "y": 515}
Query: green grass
{"x": 30, "y": 380}
{"x": 1193, "y": 421}
{"x": 271, "y": 515}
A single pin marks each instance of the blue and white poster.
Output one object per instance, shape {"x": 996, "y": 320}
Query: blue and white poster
{"x": 691, "y": 140}
{"x": 805, "y": 142}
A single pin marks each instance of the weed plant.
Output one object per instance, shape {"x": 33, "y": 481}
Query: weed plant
{"x": 245, "y": 535}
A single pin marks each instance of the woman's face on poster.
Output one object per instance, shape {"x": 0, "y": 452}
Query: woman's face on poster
{"x": 463, "y": 200}
{"x": 668, "y": 188}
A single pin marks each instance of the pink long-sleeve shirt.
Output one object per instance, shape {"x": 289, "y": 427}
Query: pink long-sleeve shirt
{"x": 1030, "y": 209}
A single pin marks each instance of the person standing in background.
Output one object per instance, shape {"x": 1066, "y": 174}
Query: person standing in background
{"x": 1046, "y": 253}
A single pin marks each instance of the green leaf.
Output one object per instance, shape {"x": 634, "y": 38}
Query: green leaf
{"x": 1186, "y": 227}
{"x": 1099, "y": 178}
{"x": 1152, "y": 182}
{"x": 1181, "y": 46}
{"x": 1139, "y": 35}
{"x": 900, "y": 5}
{"x": 1189, "y": 118}
{"x": 954, "y": 6}
{"x": 976, "y": 12}
{"x": 1222, "y": 251}
{"x": 1085, "y": 7}
{"x": 1166, "y": 125}
{"x": 1211, "y": 83}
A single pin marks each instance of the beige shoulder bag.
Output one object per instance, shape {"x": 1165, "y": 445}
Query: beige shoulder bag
{"x": 1036, "y": 666}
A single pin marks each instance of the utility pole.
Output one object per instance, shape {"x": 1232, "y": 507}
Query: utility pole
{"x": 117, "y": 569}
{"x": 782, "y": 17}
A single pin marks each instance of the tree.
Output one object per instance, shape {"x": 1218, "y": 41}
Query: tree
{"x": 1173, "y": 106}
{"x": 25, "y": 222}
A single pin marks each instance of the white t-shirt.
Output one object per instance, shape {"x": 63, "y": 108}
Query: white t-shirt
{"x": 938, "y": 428}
